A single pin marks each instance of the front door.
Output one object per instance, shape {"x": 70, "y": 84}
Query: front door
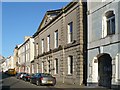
{"x": 105, "y": 70}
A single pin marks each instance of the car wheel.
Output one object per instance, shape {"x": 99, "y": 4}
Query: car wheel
{"x": 37, "y": 83}
{"x": 30, "y": 80}
{"x": 54, "y": 83}
{"x": 25, "y": 79}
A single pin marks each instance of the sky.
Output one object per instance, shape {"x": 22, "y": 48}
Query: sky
{"x": 21, "y": 19}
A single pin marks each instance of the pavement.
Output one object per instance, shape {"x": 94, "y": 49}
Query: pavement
{"x": 68, "y": 85}
{"x": 80, "y": 87}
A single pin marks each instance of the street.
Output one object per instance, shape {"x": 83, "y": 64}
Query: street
{"x": 10, "y": 82}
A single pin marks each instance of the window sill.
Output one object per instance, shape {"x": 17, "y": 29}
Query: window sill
{"x": 71, "y": 42}
{"x": 55, "y": 74}
{"x": 69, "y": 74}
{"x": 111, "y": 35}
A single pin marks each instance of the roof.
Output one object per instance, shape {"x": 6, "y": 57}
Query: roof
{"x": 49, "y": 14}
{"x": 2, "y": 59}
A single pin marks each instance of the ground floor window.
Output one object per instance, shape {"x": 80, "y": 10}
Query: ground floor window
{"x": 70, "y": 64}
{"x": 37, "y": 68}
{"x": 56, "y": 66}
{"x": 42, "y": 66}
{"x": 32, "y": 68}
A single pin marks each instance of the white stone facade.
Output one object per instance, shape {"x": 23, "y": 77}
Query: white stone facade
{"x": 100, "y": 41}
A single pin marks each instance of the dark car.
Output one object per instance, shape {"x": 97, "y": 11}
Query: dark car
{"x": 26, "y": 77}
{"x": 6, "y": 72}
{"x": 19, "y": 75}
{"x": 22, "y": 75}
{"x": 43, "y": 79}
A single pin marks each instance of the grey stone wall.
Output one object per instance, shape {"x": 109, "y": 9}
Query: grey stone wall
{"x": 75, "y": 15}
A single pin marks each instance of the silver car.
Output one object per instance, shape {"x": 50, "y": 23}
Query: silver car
{"x": 43, "y": 79}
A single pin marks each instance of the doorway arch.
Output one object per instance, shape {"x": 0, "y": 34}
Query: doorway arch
{"x": 104, "y": 70}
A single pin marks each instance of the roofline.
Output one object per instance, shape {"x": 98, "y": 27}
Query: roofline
{"x": 63, "y": 10}
{"x": 50, "y": 11}
{"x": 24, "y": 43}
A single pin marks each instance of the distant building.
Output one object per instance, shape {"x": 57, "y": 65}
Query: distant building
{"x": 25, "y": 55}
{"x": 9, "y": 62}
{"x": 61, "y": 43}
{"x": 15, "y": 58}
{"x": 104, "y": 43}
{"x": 2, "y": 63}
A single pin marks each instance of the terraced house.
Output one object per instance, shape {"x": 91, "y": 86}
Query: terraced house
{"x": 104, "y": 43}
{"x": 60, "y": 44}
{"x": 25, "y": 55}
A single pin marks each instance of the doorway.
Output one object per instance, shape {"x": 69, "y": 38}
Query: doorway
{"x": 104, "y": 70}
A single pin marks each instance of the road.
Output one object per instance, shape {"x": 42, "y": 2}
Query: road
{"x": 11, "y": 83}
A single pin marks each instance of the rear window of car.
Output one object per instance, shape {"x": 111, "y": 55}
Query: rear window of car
{"x": 11, "y": 70}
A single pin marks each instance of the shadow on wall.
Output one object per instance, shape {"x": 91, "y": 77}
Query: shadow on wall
{"x": 3, "y": 75}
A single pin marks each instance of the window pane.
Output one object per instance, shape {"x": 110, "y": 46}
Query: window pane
{"x": 56, "y": 38}
{"x": 70, "y": 32}
{"x": 71, "y": 27}
{"x": 56, "y": 65}
{"x": 108, "y": 27}
{"x": 110, "y": 22}
{"x": 113, "y": 25}
{"x": 48, "y": 43}
{"x": 71, "y": 65}
{"x": 42, "y": 45}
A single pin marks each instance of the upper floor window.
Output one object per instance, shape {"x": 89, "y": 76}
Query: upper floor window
{"x": 48, "y": 43}
{"x": 42, "y": 45}
{"x": 23, "y": 49}
{"x": 56, "y": 38}
{"x": 26, "y": 47}
{"x": 28, "y": 56}
{"x": 108, "y": 24}
{"x": 70, "y": 32}
{"x": 37, "y": 49}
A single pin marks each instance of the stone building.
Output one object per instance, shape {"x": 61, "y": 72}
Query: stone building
{"x": 104, "y": 43}
{"x": 15, "y": 57}
{"x": 25, "y": 55}
{"x": 60, "y": 44}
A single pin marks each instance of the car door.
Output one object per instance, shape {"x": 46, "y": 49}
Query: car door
{"x": 33, "y": 78}
{"x": 38, "y": 77}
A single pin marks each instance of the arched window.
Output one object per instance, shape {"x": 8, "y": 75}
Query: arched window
{"x": 110, "y": 20}
{"x": 108, "y": 23}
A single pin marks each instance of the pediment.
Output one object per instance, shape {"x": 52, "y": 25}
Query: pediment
{"x": 50, "y": 15}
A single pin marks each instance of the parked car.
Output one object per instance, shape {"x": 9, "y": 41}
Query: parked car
{"x": 22, "y": 75}
{"x": 6, "y": 72}
{"x": 26, "y": 77}
{"x": 19, "y": 75}
{"x": 43, "y": 79}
